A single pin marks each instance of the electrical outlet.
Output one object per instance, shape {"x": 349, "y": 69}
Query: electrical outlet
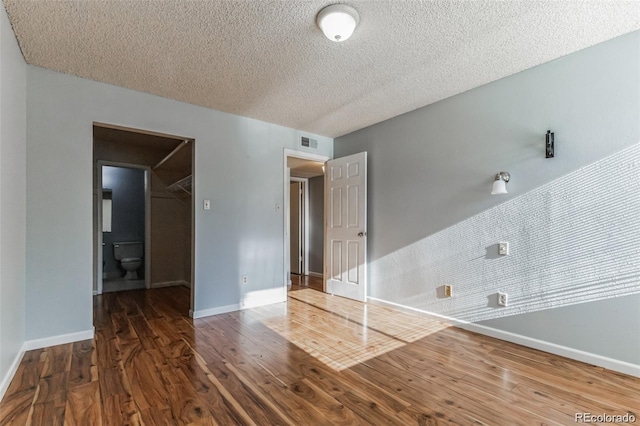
{"x": 503, "y": 299}
{"x": 448, "y": 290}
{"x": 245, "y": 279}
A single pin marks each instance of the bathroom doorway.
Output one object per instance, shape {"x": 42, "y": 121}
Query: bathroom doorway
{"x": 125, "y": 218}
{"x": 164, "y": 238}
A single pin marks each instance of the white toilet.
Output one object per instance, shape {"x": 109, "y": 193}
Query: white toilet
{"x": 130, "y": 256}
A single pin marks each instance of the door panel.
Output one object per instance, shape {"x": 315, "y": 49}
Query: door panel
{"x": 336, "y": 207}
{"x": 336, "y": 260}
{"x": 354, "y": 214}
{"x": 346, "y": 232}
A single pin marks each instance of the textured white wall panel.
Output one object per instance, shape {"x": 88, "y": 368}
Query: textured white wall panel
{"x": 576, "y": 239}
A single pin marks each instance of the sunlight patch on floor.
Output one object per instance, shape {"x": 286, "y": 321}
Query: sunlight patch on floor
{"x": 354, "y": 332}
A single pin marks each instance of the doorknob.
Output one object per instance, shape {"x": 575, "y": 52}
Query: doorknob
{"x": 361, "y": 234}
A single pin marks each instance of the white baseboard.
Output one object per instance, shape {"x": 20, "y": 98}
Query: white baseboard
{"x": 576, "y": 354}
{"x": 315, "y": 274}
{"x": 170, "y": 284}
{"x": 8, "y": 376}
{"x": 62, "y": 339}
{"x": 252, "y": 299}
{"x": 37, "y": 344}
{"x": 214, "y": 311}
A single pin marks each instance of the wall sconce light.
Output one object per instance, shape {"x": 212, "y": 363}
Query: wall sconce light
{"x": 500, "y": 184}
{"x": 549, "y": 144}
{"x": 338, "y": 21}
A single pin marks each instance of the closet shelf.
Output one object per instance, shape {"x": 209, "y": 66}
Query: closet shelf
{"x": 183, "y": 184}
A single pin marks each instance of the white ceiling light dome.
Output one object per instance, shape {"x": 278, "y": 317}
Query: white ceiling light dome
{"x": 338, "y": 21}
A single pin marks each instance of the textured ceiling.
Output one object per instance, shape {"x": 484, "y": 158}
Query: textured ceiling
{"x": 266, "y": 59}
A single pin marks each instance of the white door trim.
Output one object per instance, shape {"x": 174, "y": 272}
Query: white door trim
{"x": 305, "y": 221}
{"x": 98, "y": 223}
{"x": 285, "y": 204}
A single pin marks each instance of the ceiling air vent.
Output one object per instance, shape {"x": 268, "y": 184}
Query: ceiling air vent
{"x": 308, "y": 142}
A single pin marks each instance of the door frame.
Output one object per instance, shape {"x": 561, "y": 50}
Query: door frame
{"x": 286, "y": 207}
{"x": 305, "y": 221}
{"x": 98, "y": 249}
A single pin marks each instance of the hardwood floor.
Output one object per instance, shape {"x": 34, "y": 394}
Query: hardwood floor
{"x": 315, "y": 360}
{"x": 299, "y": 282}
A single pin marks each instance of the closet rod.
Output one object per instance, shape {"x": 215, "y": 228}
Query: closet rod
{"x": 171, "y": 154}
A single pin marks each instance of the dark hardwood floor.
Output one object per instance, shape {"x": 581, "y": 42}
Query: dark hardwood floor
{"x": 315, "y": 360}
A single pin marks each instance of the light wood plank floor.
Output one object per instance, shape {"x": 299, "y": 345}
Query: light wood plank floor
{"x": 315, "y": 360}
{"x": 299, "y": 282}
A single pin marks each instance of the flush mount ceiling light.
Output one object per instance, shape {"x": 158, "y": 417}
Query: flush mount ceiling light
{"x": 500, "y": 183}
{"x": 338, "y": 21}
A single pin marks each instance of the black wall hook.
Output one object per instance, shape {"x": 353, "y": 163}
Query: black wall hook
{"x": 549, "y": 145}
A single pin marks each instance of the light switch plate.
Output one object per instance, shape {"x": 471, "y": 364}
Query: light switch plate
{"x": 503, "y": 248}
{"x": 207, "y": 204}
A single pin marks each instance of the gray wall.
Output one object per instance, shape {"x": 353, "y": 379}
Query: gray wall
{"x": 127, "y": 186}
{"x": 614, "y": 322}
{"x": 239, "y": 167}
{"x": 316, "y": 224}
{"x": 12, "y": 200}
{"x": 572, "y": 221}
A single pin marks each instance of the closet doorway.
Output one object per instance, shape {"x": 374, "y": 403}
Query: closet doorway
{"x": 167, "y": 247}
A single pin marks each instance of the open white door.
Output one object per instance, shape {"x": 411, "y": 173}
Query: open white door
{"x": 346, "y": 226}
